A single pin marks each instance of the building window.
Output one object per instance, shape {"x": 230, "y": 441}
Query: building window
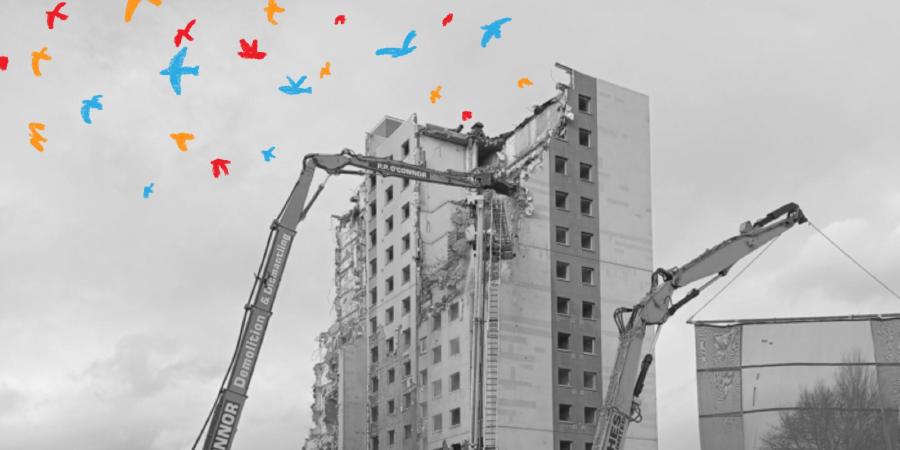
{"x": 391, "y": 375}
{"x": 373, "y": 238}
{"x": 454, "y": 417}
{"x": 453, "y": 311}
{"x": 373, "y": 354}
{"x": 587, "y": 344}
{"x": 390, "y": 346}
{"x": 388, "y": 225}
{"x": 373, "y": 296}
{"x": 407, "y": 338}
{"x": 423, "y": 377}
{"x": 559, "y": 164}
{"x": 388, "y": 194}
{"x": 389, "y": 254}
{"x": 405, "y": 183}
{"x": 407, "y": 400}
{"x": 391, "y": 435}
{"x": 454, "y": 346}
{"x": 373, "y": 209}
{"x": 562, "y": 235}
{"x": 590, "y": 380}
{"x": 405, "y": 211}
{"x": 562, "y": 305}
{"x": 390, "y": 407}
{"x": 436, "y": 423}
{"x": 436, "y": 388}
{"x": 404, "y": 275}
{"x": 590, "y": 415}
{"x": 405, "y": 242}
{"x": 404, "y": 147}
{"x": 584, "y": 103}
{"x": 587, "y": 310}
{"x": 372, "y": 180}
{"x": 405, "y": 306}
{"x": 374, "y": 413}
{"x": 436, "y": 321}
{"x": 373, "y": 267}
{"x": 389, "y": 285}
{"x": 374, "y": 382}
{"x": 407, "y": 432}
{"x": 389, "y": 315}
{"x": 587, "y": 275}
{"x": 587, "y": 206}
{"x": 373, "y": 325}
{"x": 566, "y": 445}
{"x": 454, "y": 382}
{"x": 562, "y": 200}
{"x": 587, "y": 241}
{"x": 564, "y": 376}
{"x": 407, "y": 368}
{"x": 565, "y": 412}
{"x": 562, "y": 341}
{"x": 584, "y": 172}
{"x": 436, "y": 355}
{"x": 584, "y": 137}
{"x": 562, "y": 270}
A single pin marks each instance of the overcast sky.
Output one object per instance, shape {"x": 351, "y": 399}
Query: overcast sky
{"x": 119, "y": 313}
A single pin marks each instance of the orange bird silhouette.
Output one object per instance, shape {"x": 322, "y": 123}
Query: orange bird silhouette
{"x": 131, "y": 5}
{"x": 435, "y": 95}
{"x": 181, "y": 140}
{"x": 54, "y": 14}
{"x": 37, "y": 141}
{"x": 36, "y": 58}
{"x": 325, "y": 70}
{"x": 184, "y": 33}
{"x": 271, "y": 9}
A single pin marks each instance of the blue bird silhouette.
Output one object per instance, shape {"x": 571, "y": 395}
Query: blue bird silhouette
{"x": 268, "y": 154}
{"x": 293, "y": 87}
{"x": 397, "y": 52}
{"x": 148, "y": 189}
{"x": 492, "y": 30}
{"x": 87, "y": 105}
{"x": 176, "y": 69}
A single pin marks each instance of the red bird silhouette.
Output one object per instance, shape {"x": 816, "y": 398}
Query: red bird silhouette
{"x": 219, "y": 164}
{"x": 341, "y": 19}
{"x": 447, "y": 19}
{"x": 4, "y": 61}
{"x": 52, "y": 15}
{"x": 466, "y": 115}
{"x": 249, "y": 51}
{"x": 184, "y": 33}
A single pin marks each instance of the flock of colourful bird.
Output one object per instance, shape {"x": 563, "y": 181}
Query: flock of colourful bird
{"x": 249, "y": 50}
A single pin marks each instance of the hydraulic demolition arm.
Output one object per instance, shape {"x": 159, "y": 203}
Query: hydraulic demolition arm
{"x": 229, "y": 404}
{"x": 621, "y": 404}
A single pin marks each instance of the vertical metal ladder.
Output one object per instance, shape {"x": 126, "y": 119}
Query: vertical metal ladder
{"x": 499, "y": 248}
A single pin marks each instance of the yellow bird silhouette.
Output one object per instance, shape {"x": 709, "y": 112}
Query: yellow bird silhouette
{"x": 37, "y": 141}
{"x": 325, "y": 70}
{"x": 271, "y": 9}
{"x": 36, "y": 58}
{"x": 131, "y": 5}
{"x": 435, "y": 94}
{"x": 524, "y": 81}
{"x": 181, "y": 140}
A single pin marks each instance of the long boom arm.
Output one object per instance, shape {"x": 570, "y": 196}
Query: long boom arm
{"x": 622, "y": 406}
{"x": 229, "y": 404}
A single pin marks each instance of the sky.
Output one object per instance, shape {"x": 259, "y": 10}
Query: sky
{"x": 120, "y": 313}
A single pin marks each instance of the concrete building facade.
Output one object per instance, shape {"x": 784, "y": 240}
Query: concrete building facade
{"x": 471, "y": 346}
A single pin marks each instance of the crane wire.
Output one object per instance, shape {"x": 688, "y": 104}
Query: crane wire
{"x": 758, "y": 255}
{"x": 885, "y": 286}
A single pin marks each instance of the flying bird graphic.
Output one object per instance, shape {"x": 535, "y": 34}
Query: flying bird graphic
{"x": 37, "y": 140}
{"x": 88, "y": 105}
{"x": 131, "y": 5}
{"x": 340, "y": 19}
{"x": 36, "y": 58}
{"x": 184, "y": 33}
{"x": 293, "y": 87}
{"x": 447, "y": 19}
{"x": 148, "y": 189}
{"x": 4, "y": 61}
{"x": 435, "y": 95}
{"x": 396, "y": 52}
{"x": 250, "y": 51}
{"x": 524, "y": 81}
{"x": 492, "y": 30}
{"x": 268, "y": 154}
{"x": 181, "y": 140}
{"x": 271, "y": 9}
{"x": 56, "y": 14}
{"x": 325, "y": 70}
{"x": 219, "y": 164}
{"x": 176, "y": 69}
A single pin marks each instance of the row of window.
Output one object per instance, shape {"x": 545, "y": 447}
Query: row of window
{"x": 565, "y": 414}
{"x": 561, "y": 166}
{"x": 564, "y": 378}
{"x": 563, "y": 269}
{"x": 564, "y": 307}
{"x": 562, "y": 238}
{"x": 564, "y": 342}
{"x": 561, "y": 201}
{"x": 569, "y": 445}
{"x": 388, "y": 253}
